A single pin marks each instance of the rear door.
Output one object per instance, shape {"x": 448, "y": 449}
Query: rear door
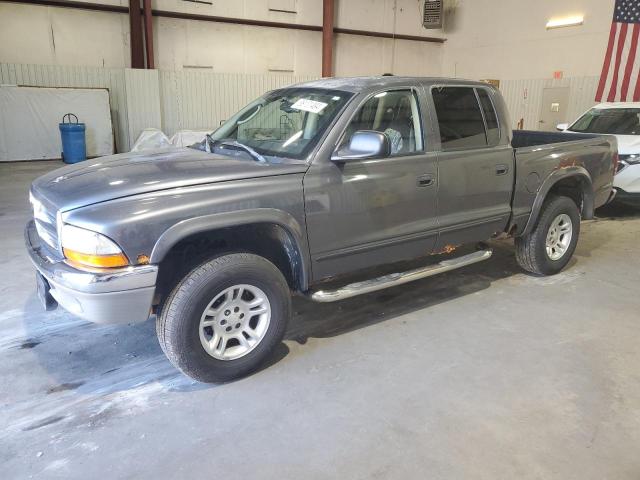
{"x": 475, "y": 165}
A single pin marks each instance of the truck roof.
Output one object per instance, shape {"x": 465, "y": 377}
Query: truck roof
{"x": 610, "y": 105}
{"x": 359, "y": 84}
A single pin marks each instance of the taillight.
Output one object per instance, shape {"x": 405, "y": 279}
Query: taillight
{"x": 615, "y": 159}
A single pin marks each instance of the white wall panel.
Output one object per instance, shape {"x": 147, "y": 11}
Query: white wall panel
{"x": 67, "y": 36}
{"x": 29, "y": 119}
{"x": 507, "y": 39}
{"x": 63, "y": 36}
{"x": 77, "y": 77}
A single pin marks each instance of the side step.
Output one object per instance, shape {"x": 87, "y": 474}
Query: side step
{"x": 394, "y": 279}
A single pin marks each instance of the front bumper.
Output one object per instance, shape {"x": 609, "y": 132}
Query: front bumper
{"x": 121, "y": 295}
{"x": 631, "y": 199}
{"x": 628, "y": 178}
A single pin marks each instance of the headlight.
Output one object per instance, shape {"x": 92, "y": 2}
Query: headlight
{"x": 631, "y": 159}
{"x": 91, "y": 248}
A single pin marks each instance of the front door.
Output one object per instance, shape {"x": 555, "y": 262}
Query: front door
{"x": 476, "y": 166}
{"x": 555, "y": 101}
{"x": 364, "y": 213}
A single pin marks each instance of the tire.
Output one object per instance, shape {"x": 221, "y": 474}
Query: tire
{"x": 206, "y": 316}
{"x": 531, "y": 249}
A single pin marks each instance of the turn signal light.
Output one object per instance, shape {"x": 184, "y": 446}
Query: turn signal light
{"x": 99, "y": 261}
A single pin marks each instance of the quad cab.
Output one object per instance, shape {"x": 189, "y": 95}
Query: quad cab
{"x": 308, "y": 189}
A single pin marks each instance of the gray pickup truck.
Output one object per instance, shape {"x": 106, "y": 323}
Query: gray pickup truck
{"x": 321, "y": 188}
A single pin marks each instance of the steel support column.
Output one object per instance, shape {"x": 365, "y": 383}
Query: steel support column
{"x": 148, "y": 33}
{"x": 327, "y": 37}
{"x": 135, "y": 28}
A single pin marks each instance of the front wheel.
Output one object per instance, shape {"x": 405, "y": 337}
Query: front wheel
{"x": 550, "y": 245}
{"x": 225, "y": 317}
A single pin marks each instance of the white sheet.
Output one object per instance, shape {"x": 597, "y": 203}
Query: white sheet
{"x": 151, "y": 139}
{"x": 29, "y": 118}
{"x": 185, "y": 138}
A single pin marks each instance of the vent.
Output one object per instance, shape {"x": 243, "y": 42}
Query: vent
{"x": 432, "y": 17}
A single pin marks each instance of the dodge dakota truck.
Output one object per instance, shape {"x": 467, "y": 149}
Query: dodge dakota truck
{"x": 322, "y": 189}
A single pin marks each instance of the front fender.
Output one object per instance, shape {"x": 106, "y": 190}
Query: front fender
{"x": 191, "y": 226}
{"x": 552, "y": 180}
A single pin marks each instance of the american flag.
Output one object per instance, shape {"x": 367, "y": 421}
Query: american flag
{"x": 620, "y": 77}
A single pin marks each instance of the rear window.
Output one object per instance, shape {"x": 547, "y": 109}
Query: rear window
{"x": 459, "y": 118}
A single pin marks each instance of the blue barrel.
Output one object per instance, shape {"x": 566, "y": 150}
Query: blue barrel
{"x": 74, "y": 147}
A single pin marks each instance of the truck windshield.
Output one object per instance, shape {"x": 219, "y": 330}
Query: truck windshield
{"x": 620, "y": 121}
{"x": 284, "y": 123}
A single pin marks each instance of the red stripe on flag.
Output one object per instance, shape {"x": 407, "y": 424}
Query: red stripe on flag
{"x": 614, "y": 83}
{"x": 607, "y": 62}
{"x": 636, "y": 91}
{"x": 630, "y": 62}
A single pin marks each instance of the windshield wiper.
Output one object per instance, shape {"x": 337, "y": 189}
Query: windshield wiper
{"x": 234, "y": 143}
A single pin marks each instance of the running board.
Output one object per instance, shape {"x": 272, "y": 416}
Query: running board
{"x": 394, "y": 279}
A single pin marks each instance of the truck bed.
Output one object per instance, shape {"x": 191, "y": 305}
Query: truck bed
{"x": 538, "y": 155}
{"x": 532, "y": 138}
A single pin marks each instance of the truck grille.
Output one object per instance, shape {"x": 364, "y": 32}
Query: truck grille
{"x": 46, "y": 222}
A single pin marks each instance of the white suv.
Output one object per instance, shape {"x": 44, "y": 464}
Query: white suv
{"x": 623, "y": 121}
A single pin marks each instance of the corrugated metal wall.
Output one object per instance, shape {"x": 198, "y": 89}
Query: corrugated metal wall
{"x": 179, "y": 100}
{"x": 79, "y": 77}
{"x": 524, "y": 97}
{"x": 201, "y": 100}
{"x": 143, "y": 101}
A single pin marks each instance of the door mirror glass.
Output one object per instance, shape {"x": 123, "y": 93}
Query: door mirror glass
{"x": 364, "y": 144}
{"x": 561, "y": 127}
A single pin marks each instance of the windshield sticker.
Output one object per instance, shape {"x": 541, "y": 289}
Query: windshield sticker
{"x": 309, "y": 105}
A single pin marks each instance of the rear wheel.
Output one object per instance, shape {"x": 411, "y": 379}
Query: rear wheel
{"x": 223, "y": 320}
{"x": 550, "y": 245}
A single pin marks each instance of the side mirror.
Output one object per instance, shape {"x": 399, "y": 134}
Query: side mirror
{"x": 561, "y": 127}
{"x": 364, "y": 144}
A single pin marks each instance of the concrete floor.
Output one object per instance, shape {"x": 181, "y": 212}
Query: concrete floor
{"x": 483, "y": 373}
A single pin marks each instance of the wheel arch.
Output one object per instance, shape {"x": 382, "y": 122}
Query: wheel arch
{"x": 271, "y": 233}
{"x": 573, "y": 182}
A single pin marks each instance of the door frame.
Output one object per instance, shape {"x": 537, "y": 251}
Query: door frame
{"x": 322, "y": 164}
{"x": 543, "y": 106}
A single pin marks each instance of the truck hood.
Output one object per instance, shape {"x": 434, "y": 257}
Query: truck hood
{"x": 116, "y": 176}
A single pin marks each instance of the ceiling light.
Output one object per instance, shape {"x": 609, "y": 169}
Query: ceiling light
{"x": 565, "y": 22}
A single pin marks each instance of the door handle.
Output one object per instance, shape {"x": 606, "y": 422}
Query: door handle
{"x": 426, "y": 180}
{"x": 501, "y": 169}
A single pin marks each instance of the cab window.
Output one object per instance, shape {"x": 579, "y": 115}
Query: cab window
{"x": 394, "y": 113}
{"x": 490, "y": 117}
{"x": 459, "y": 118}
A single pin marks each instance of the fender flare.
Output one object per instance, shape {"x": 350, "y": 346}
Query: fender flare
{"x": 191, "y": 226}
{"x": 556, "y": 176}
